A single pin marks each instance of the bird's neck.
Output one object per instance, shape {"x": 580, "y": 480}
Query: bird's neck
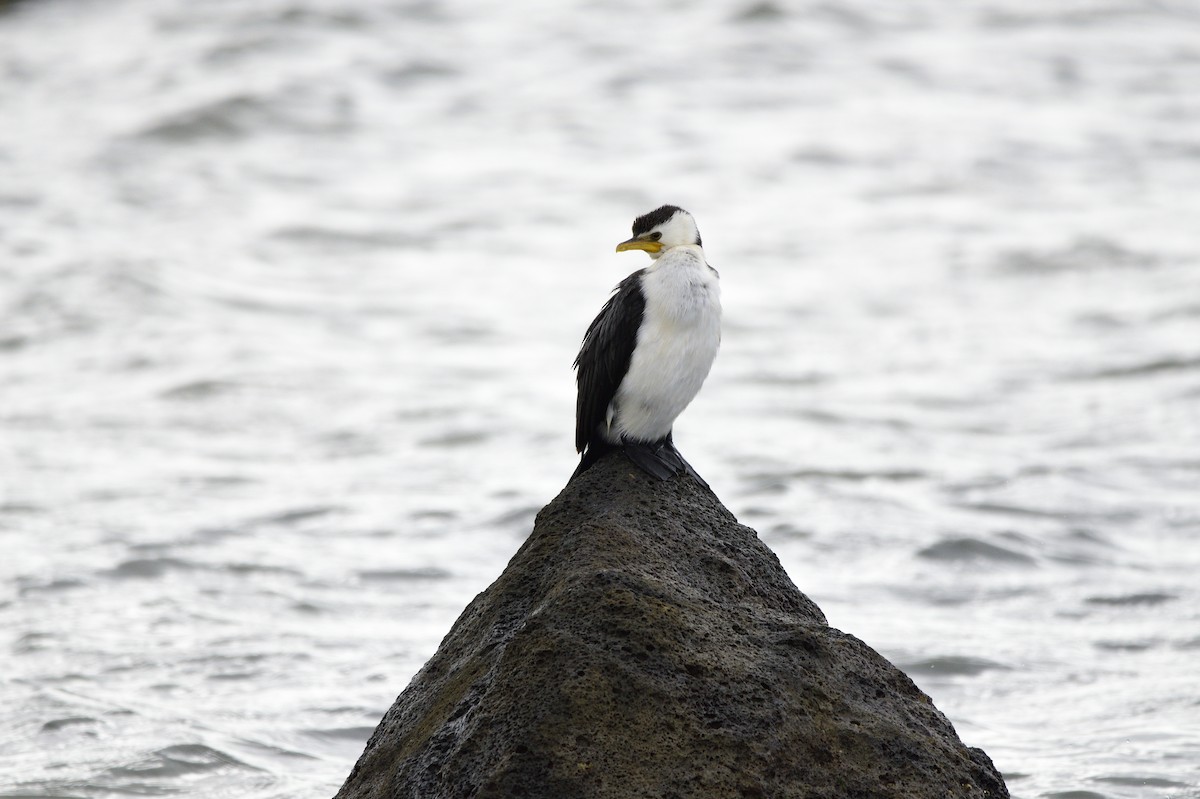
{"x": 679, "y": 249}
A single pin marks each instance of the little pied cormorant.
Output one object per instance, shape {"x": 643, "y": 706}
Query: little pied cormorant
{"x": 646, "y": 354}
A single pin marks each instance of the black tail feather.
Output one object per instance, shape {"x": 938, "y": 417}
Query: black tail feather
{"x": 687, "y": 467}
{"x": 659, "y": 459}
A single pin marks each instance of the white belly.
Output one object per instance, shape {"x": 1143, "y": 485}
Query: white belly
{"x": 677, "y": 342}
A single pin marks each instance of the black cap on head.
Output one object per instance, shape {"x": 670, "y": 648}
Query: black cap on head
{"x": 656, "y": 217}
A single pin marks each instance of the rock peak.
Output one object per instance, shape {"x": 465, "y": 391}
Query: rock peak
{"x": 642, "y": 643}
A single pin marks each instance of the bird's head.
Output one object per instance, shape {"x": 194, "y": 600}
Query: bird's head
{"x": 660, "y": 230}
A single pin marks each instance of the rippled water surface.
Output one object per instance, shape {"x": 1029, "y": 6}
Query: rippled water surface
{"x": 290, "y": 290}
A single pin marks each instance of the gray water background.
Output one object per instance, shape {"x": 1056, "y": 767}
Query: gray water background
{"x": 290, "y": 290}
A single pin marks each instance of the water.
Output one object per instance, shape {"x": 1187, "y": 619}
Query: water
{"x": 289, "y": 293}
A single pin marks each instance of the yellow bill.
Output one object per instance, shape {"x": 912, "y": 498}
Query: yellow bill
{"x": 640, "y": 244}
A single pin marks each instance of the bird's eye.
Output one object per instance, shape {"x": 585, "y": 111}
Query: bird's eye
{"x": 655, "y": 236}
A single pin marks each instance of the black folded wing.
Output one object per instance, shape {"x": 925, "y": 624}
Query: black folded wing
{"x": 604, "y": 357}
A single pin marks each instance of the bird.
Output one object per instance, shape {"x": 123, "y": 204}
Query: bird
{"x": 648, "y": 351}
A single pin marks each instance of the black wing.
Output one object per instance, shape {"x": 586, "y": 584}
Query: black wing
{"x": 604, "y": 356}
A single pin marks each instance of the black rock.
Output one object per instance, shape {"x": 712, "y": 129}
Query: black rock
{"x": 642, "y": 643}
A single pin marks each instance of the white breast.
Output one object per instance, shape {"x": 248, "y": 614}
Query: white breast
{"x": 676, "y": 345}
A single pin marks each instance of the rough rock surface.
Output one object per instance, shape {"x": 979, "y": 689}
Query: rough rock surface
{"x": 642, "y": 643}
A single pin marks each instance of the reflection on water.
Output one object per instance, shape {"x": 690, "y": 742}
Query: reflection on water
{"x": 289, "y": 294}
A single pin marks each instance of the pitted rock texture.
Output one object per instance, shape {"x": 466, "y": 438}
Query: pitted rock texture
{"x": 642, "y": 643}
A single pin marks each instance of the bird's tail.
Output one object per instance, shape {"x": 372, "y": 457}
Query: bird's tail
{"x": 658, "y": 459}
